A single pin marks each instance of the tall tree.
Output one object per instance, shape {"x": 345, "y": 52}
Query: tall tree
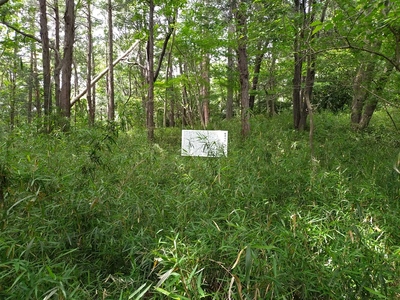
{"x": 110, "y": 78}
{"x": 69, "y": 36}
{"x": 230, "y": 64}
{"x": 89, "y": 96}
{"x": 256, "y": 73}
{"x": 44, "y": 34}
{"x": 150, "y": 75}
{"x": 241, "y": 32}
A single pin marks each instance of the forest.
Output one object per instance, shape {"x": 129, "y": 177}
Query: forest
{"x": 96, "y": 200}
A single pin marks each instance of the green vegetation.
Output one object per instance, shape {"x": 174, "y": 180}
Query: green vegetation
{"x": 96, "y": 214}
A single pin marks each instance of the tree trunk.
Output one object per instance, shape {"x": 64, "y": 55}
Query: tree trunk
{"x": 231, "y": 66}
{"x": 90, "y": 99}
{"x": 270, "y": 89}
{"x": 297, "y": 74}
{"x": 57, "y": 60}
{"x": 13, "y": 86}
{"x": 30, "y": 86}
{"x": 44, "y": 34}
{"x": 230, "y": 85}
{"x": 372, "y": 100}
{"x": 363, "y": 78}
{"x": 241, "y": 19}
{"x": 110, "y": 88}
{"x": 297, "y": 99}
{"x": 150, "y": 76}
{"x": 205, "y": 91}
{"x": 310, "y": 78}
{"x": 169, "y": 96}
{"x": 257, "y": 69}
{"x": 69, "y": 36}
{"x": 36, "y": 85}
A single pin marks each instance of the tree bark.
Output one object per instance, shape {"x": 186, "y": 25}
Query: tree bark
{"x": 231, "y": 66}
{"x": 57, "y": 60}
{"x": 372, "y": 100}
{"x": 205, "y": 91}
{"x": 150, "y": 76}
{"x": 271, "y": 94}
{"x": 169, "y": 97}
{"x": 363, "y": 78}
{"x": 241, "y": 19}
{"x": 257, "y": 69}
{"x": 90, "y": 100}
{"x": 69, "y": 36}
{"x": 110, "y": 88}
{"x": 30, "y": 86}
{"x": 44, "y": 34}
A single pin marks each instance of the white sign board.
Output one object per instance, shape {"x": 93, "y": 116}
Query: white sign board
{"x": 206, "y": 143}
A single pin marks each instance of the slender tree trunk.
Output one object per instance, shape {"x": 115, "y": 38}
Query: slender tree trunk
{"x": 364, "y": 77}
{"x": 230, "y": 85}
{"x": 13, "y": 81}
{"x": 30, "y": 88}
{"x": 257, "y": 69}
{"x": 310, "y": 78}
{"x": 372, "y": 100}
{"x": 205, "y": 91}
{"x": 38, "y": 104}
{"x": 241, "y": 19}
{"x": 169, "y": 92}
{"x": 69, "y": 36}
{"x": 270, "y": 90}
{"x": 57, "y": 60}
{"x": 297, "y": 79}
{"x": 297, "y": 74}
{"x": 90, "y": 99}
{"x": 111, "y": 96}
{"x": 45, "y": 57}
{"x": 231, "y": 65}
{"x": 150, "y": 76}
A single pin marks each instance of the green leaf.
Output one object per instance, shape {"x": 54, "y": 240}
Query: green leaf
{"x": 171, "y": 295}
{"x": 317, "y": 28}
{"x": 140, "y": 290}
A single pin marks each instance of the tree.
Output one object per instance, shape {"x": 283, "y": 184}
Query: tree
{"x": 44, "y": 34}
{"x": 150, "y": 75}
{"x": 372, "y": 31}
{"x": 89, "y": 96}
{"x": 241, "y": 32}
{"x": 69, "y": 36}
{"x": 110, "y": 86}
{"x": 230, "y": 64}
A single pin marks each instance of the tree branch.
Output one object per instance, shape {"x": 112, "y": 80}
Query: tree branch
{"x": 352, "y": 47}
{"x": 102, "y": 73}
{"x": 2, "y": 2}
{"x": 19, "y": 31}
{"x": 164, "y": 49}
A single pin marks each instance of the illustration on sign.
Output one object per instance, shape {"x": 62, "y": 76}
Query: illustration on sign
{"x": 206, "y": 143}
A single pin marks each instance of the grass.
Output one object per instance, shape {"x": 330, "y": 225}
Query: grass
{"x": 92, "y": 214}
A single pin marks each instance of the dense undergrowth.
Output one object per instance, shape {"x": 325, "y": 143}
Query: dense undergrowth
{"x": 92, "y": 214}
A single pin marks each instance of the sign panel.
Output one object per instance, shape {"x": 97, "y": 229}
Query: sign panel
{"x": 206, "y": 143}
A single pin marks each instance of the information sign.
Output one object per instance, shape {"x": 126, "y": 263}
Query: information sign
{"x": 206, "y": 143}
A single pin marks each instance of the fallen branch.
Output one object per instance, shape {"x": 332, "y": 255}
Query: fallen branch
{"x": 102, "y": 73}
